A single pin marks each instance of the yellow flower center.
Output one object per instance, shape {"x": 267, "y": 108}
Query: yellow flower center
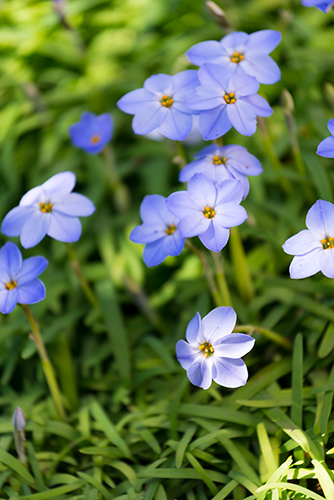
{"x": 95, "y": 139}
{"x": 229, "y": 98}
{"x": 206, "y": 349}
{"x": 217, "y": 160}
{"x": 236, "y": 58}
{"x": 167, "y": 101}
{"x": 11, "y": 285}
{"x": 171, "y": 229}
{"x": 46, "y": 207}
{"x": 209, "y": 213}
{"x": 327, "y": 243}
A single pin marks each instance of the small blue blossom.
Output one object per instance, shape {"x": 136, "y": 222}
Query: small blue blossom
{"x": 242, "y": 53}
{"x": 208, "y": 210}
{"x": 92, "y": 132}
{"x": 324, "y": 6}
{"x": 48, "y": 209}
{"x": 220, "y": 163}
{"x": 19, "y": 421}
{"x": 159, "y": 231}
{"x": 226, "y": 99}
{"x": 18, "y": 279}
{"x": 313, "y": 247}
{"x": 212, "y": 351}
{"x": 326, "y": 147}
{"x": 160, "y": 105}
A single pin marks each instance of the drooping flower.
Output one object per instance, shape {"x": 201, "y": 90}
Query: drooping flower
{"x": 160, "y": 105}
{"x": 326, "y": 147}
{"x": 313, "y": 247}
{"x": 50, "y": 209}
{"x": 323, "y": 5}
{"x": 159, "y": 231}
{"x": 220, "y": 163}
{"x": 225, "y": 100}
{"x": 242, "y": 53}
{"x": 92, "y": 132}
{"x": 18, "y": 279}
{"x": 208, "y": 210}
{"x": 213, "y": 352}
{"x": 19, "y": 421}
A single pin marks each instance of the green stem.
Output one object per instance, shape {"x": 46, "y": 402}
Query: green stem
{"x": 46, "y": 364}
{"x": 118, "y": 188}
{"x": 83, "y": 282}
{"x": 208, "y": 273}
{"x": 275, "y": 337}
{"x": 221, "y": 279}
{"x": 181, "y": 155}
{"x": 242, "y": 274}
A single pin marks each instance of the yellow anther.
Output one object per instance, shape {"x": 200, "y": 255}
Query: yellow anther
{"x": 95, "y": 139}
{"x": 46, "y": 208}
{"x": 209, "y": 213}
{"x": 327, "y": 242}
{"x": 229, "y": 98}
{"x": 231, "y": 94}
{"x": 232, "y": 101}
{"x": 323, "y": 241}
{"x": 11, "y": 285}
{"x": 207, "y": 349}
{"x": 167, "y": 101}
{"x": 236, "y": 54}
{"x": 236, "y": 58}
{"x": 171, "y": 229}
{"x": 216, "y": 160}
{"x": 233, "y": 59}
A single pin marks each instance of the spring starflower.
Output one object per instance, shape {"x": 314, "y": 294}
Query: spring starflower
{"x": 241, "y": 53}
{"x": 208, "y": 210}
{"x": 160, "y": 105}
{"x": 220, "y": 163}
{"x": 326, "y": 147}
{"x": 92, "y": 132}
{"x": 313, "y": 247}
{"x": 323, "y": 5}
{"x": 159, "y": 231}
{"x": 50, "y": 209}
{"x": 18, "y": 279}
{"x": 213, "y": 352}
{"x": 226, "y": 100}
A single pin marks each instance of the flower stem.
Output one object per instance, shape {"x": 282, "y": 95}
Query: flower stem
{"x": 181, "y": 158}
{"x": 242, "y": 274}
{"x": 78, "y": 271}
{"x": 221, "y": 279}
{"x": 208, "y": 273}
{"x": 118, "y": 188}
{"x": 46, "y": 364}
{"x": 275, "y": 337}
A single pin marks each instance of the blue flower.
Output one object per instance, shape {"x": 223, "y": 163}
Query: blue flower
{"x": 326, "y": 147}
{"x": 92, "y": 132}
{"x": 160, "y": 105}
{"x": 208, "y": 210}
{"x": 48, "y": 209}
{"x": 159, "y": 231}
{"x": 313, "y": 247}
{"x": 18, "y": 280}
{"x": 226, "y": 99}
{"x": 242, "y": 53}
{"x": 325, "y": 6}
{"x": 213, "y": 351}
{"x": 19, "y": 421}
{"x": 220, "y": 163}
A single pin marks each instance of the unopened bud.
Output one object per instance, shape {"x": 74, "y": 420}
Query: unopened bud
{"x": 218, "y": 14}
{"x": 19, "y": 421}
{"x": 287, "y": 101}
{"x": 329, "y": 90}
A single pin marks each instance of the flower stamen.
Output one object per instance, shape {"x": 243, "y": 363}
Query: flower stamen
{"x": 217, "y": 160}
{"x": 327, "y": 243}
{"x": 229, "y": 98}
{"x": 207, "y": 349}
{"x": 167, "y": 101}
{"x": 95, "y": 139}
{"x": 11, "y": 285}
{"x": 46, "y": 208}
{"x": 237, "y": 58}
{"x": 209, "y": 213}
{"x": 171, "y": 229}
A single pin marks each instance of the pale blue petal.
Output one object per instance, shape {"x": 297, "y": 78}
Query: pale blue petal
{"x": 202, "y": 191}
{"x": 30, "y": 269}
{"x": 183, "y": 82}
{"x": 149, "y": 118}
{"x": 327, "y": 262}
{"x": 230, "y": 215}
{"x": 75, "y": 205}
{"x": 11, "y": 259}
{"x": 186, "y": 354}
{"x": 200, "y": 373}
{"x": 146, "y": 233}
{"x": 229, "y": 191}
{"x": 214, "y": 75}
{"x": 193, "y": 330}
{"x": 30, "y": 293}
{"x": 234, "y": 346}
{"x": 230, "y": 373}
{"x": 215, "y": 237}
{"x": 326, "y": 148}
{"x": 153, "y": 211}
{"x": 205, "y": 97}
{"x": 204, "y": 51}
{"x": 161, "y": 84}
{"x": 259, "y": 105}
{"x": 243, "y": 161}
{"x": 154, "y": 253}
{"x": 214, "y": 123}
{"x": 235, "y": 41}
{"x": 320, "y": 218}
{"x": 242, "y": 116}
{"x": 330, "y": 126}
{"x": 134, "y": 101}
{"x": 32, "y": 196}
{"x": 303, "y": 266}
{"x": 64, "y": 228}
{"x": 262, "y": 67}
{"x": 59, "y": 184}
{"x": 176, "y": 125}
{"x": 218, "y": 323}
{"x": 263, "y": 41}
{"x": 303, "y": 242}
{"x": 35, "y": 229}
{"x": 181, "y": 205}
{"x": 14, "y": 221}
{"x": 193, "y": 224}
{"x": 8, "y": 300}
{"x": 242, "y": 179}
{"x": 242, "y": 85}
{"x": 174, "y": 243}
{"x": 213, "y": 149}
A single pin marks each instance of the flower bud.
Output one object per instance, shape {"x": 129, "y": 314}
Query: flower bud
{"x": 19, "y": 421}
{"x": 218, "y": 14}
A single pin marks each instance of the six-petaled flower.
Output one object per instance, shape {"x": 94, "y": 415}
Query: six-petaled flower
{"x": 92, "y": 132}
{"x": 213, "y": 352}
{"x": 18, "y": 279}
{"x": 220, "y": 163}
{"x": 326, "y": 147}
{"x": 50, "y": 209}
{"x": 242, "y": 53}
{"x": 208, "y": 210}
{"x": 323, "y": 5}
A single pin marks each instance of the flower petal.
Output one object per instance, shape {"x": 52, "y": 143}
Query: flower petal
{"x": 262, "y": 67}
{"x": 14, "y": 221}
{"x": 234, "y": 346}
{"x": 134, "y": 101}
{"x": 75, "y": 205}
{"x": 200, "y": 373}
{"x": 215, "y": 237}
{"x": 303, "y": 242}
{"x": 63, "y": 227}
{"x": 218, "y": 323}
{"x": 242, "y": 116}
{"x": 230, "y": 372}
{"x": 242, "y": 85}
{"x": 186, "y": 354}
{"x": 214, "y": 123}
{"x": 35, "y": 228}
{"x": 320, "y": 218}
{"x": 230, "y": 215}
{"x": 10, "y": 259}
{"x": 327, "y": 262}
{"x": 32, "y": 196}
{"x": 59, "y": 184}
{"x": 147, "y": 233}
{"x": 204, "y": 51}
{"x": 174, "y": 243}
{"x": 161, "y": 84}
{"x": 326, "y": 148}
{"x": 31, "y": 292}
{"x": 176, "y": 125}
{"x": 214, "y": 75}
{"x": 193, "y": 330}
{"x": 259, "y": 105}
{"x": 229, "y": 191}
{"x": 183, "y": 82}
{"x": 205, "y": 97}
{"x": 154, "y": 253}
{"x": 8, "y": 300}
{"x": 202, "y": 191}
{"x": 153, "y": 210}
{"x": 193, "y": 225}
{"x": 31, "y": 268}
{"x": 303, "y": 266}
{"x": 234, "y": 41}
{"x": 240, "y": 159}
{"x": 149, "y": 118}
{"x": 263, "y": 41}
{"x": 330, "y": 126}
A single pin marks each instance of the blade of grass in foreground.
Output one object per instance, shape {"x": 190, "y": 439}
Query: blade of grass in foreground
{"x": 325, "y": 480}
{"x": 297, "y": 381}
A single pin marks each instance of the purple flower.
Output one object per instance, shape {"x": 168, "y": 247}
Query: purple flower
{"x": 225, "y": 100}
{"x": 326, "y": 147}
{"x": 159, "y": 231}
{"x": 48, "y": 209}
{"x": 241, "y": 53}
{"x": 160, "y": 105}
{"x": 208, "y": 210}
{"x": 313, "y": 247}
{"x": 325, "y": 6}
{"x": 19, "y": 421}
{"x": 220, "y": 163}
{"x": 92, "y": 132}
{"x": 18, "y": 279}
{"x": 213, "y": 351}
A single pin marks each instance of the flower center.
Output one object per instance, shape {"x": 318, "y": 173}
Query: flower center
{"x": 236, "y": 58}
{"x": 95, "y": 139}
{"x": 209, "y": 213}
{"x": 171, "y": 229}
{"x": 229, "y": 98}
{"x": 327, "y": 243}
{"x": 46, "y": 207}
{"x": 11, "y": 285}
{"x": 217, "y": 160}
{"x": 167, "y": 101}
{"x": 206, "y": 349}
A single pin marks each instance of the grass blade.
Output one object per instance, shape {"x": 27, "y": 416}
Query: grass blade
{"x": 297, "y": 381}
{"x": 202, "y": 472}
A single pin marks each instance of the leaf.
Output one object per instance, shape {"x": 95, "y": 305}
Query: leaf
{"x": 16, "y": 466}
{"x": 181, "y": 448}
{"x": 325, "y": 480}
{"x": 91, "y": 480}
{"x": 202, "y": 472}
{"x": 297, "y": 381}
{"x": 290, "y": 486}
